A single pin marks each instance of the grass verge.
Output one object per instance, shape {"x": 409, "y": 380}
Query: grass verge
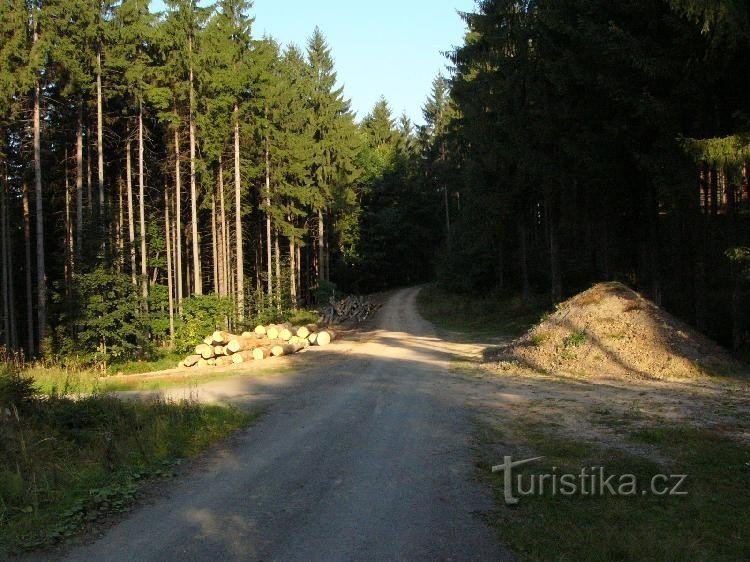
{"x": 66, "y": 463}
{"x": 712, "y": 522}
{"x": 480, "y": 316}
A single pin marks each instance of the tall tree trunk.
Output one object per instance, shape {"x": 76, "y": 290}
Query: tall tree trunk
{"x": 523, "y": 258}
{"x": 79, "y": 185}
{"x": 11, "y": 285}
{"x": 4, "y": 251}
{"x": 269, "y": 270}
{"x": 31, "y": 343}
{"x": 277, "y": 255}
{"x": 551, "y": 211}
{"x": 178, "y": 214}
{"x": 238, "y": 218}
{"x": 68, "y": 269}
{"x": 197, "y": 280}
{"x": 293, "y": 272}
{"x": 214, "y": 246}
{"x": 322, "y": 274}
{"x": 89, "y": 177}
{"x": 170, "y": 282}
{"x": 223, "y": 238}
{"x": 142, "y": 207}
{"x": 121, "y": 223}
{"x": 131, "y": 214}
{"x": 100, "y": 137}
{"x": 41, "y": 273}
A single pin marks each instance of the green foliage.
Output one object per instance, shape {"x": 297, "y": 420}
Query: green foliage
{"x": 200, "y": 316}
{"x": 67, "y": 462}
{"x": 576, "y": 339}
{"x": 102, "y": 320}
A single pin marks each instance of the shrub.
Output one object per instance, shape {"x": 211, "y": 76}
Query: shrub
{"x": 201, "y": 315}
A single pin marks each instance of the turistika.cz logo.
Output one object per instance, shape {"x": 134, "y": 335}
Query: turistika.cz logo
{"x": 590, "y": 481}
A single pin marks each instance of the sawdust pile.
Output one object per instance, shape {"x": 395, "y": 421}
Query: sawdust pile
{"x": 611, "y": 330}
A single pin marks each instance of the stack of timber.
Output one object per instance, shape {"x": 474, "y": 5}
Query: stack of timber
{"x": 349, "y": 309}
{"x": 222, "y": 349}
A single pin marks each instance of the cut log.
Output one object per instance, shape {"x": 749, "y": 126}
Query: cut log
{"x": 202, "y": 363}
{"x": 242, "y": 344}
{"x": 211, "y": 362}
{"x": 312, "y": 328}
{"x": 260, "y": 330}
{"x": 302, "y": 332}
{"x": 225, "y": 361}
{"x": 208, "y": 340}
{"x": 325, "y": 337}
{"x": 219, "y": 350}
{"x": 285, "y": 334}
{"x": 261, "y": 353}
{"x": 273, "y": 332}
{"x": 205, "y": 351}
{"x": 313, "y": 338}
{"x": 242, "y": 357}
{"x": 221, "y": 338}
{"x": 249, "y": 334}
{"x": 191, "y": 361}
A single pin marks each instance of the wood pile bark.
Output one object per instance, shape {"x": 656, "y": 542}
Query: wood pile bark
{"x": 222, "y": 349}
{"x": 350, "y": 309}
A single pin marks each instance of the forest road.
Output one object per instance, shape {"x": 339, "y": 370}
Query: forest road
{"x": 368, "y": 458}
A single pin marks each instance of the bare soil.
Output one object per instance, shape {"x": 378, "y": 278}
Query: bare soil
{"x": 610, "y": 330}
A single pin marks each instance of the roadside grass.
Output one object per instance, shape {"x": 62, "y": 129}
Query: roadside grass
{"x": 480, "y": 316}
{"x": 66, "y": 463}
{"x": 711, "y": 523}
{"x": 60, "y": 381}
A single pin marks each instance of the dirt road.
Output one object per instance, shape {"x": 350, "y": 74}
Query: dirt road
{"x": 367, "y": 457}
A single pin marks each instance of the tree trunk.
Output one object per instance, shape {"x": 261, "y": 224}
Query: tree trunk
{"x": 240, "y": 265}
{"x": 214, "y": 246}
{"x": 293, "y": 272}
{"x": 277, "y": 254}
{"x": 89, "y": 180}
{"x": 38, "y": 192}
{"x": 197, "y": 279}
{"x": 170, "y": 282}
{"x": 222, "y": 235}
{"x": 120, "y": 223}
{"x": 4, "y": 251}
{"x": 142, "y": 207}
{"x": 178, "y": 213}
{"x": 100, "y": 137}
{"x": 269, "y": 271}
{"x": 523, "y": 259}
{"x": 79, "y": 185}
{"x": 27, "y": 255}
{"x": 131, "y": 214}
{"x": 68, "y": 267}
{"x": 321, "y": 248}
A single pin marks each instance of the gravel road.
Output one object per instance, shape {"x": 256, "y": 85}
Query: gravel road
{"x": 366, "y": 457}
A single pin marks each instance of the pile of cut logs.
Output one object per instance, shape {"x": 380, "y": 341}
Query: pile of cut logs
{"x": 222, "y": 349}
{"x": 352, "y": 308}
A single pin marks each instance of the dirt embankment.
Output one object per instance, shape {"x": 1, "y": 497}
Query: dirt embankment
{"x": 610, "y": 330}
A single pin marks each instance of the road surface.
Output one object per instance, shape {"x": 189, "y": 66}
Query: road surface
{"x": 364, "y": 458}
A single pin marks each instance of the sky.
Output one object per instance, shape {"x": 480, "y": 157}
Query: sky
{"x": 389, "y": 47}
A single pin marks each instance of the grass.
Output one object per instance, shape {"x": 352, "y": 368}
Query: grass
{"x": 480, "y": 316}
{"x": 711, "y": 523}
{"x": 66, "y": 463}
{"x": 52, "y": 380}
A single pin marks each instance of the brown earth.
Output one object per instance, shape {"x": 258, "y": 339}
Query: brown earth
{"x": 610, "y": 330}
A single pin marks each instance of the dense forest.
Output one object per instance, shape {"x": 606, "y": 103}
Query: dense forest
{"x": 593, "y": 140}
{"x": 165, "y": 171}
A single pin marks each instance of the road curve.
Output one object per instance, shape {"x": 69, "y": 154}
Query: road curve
{"x": 366, "y": 458}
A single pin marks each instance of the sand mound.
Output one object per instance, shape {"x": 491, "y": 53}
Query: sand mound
{"x": 612, "y": 330}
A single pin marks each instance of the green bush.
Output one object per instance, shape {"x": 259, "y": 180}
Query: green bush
{"x": 201, "y": 315}
{"x": 102, "y": 320}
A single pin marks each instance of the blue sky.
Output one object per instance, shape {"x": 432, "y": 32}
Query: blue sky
{"x": 390, "y": 47}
